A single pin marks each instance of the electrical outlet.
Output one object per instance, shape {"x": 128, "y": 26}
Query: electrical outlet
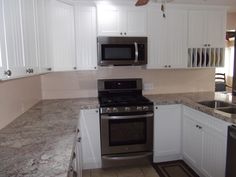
{"x": 148, "y": 86}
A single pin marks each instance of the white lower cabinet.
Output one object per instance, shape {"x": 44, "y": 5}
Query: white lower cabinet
{"x": 204, "y": 143}
{"x": 90, "y": 134}
{"x": 167, "y": 133}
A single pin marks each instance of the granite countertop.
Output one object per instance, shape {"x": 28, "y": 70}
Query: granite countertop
{"x": 39, "y": 143}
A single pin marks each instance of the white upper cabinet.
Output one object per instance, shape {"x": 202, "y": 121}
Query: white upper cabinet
{"x": 207, "y": 28}
{"x": 14, "y": 37}
{"x": 121, "y": 20}
{"x": 86, "y": 43}
{"x": 167, "y": 37}
{"x": 62, "y": 36}
{"x": 29, "y": 35}
{"x": 3, "y": 61}
{"x": 45, "y": 64}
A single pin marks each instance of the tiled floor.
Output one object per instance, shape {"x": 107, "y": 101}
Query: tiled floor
{"x": 143, "y": 171}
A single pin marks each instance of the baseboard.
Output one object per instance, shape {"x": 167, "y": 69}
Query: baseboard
{"x": 167, "y": 158}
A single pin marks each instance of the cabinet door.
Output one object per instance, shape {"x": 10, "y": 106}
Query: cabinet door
{"x": 62, "y": 36}
{"x": 13, "y": 36}
{"x": 136, "y": 21}
{"x": 109, "y": 20}
{"x": 3, "y": 62}
{"x": 214, "y": 153}
{"x": 157, "y": 50}
{"x": 86, "y": 48}
{"x": 196, "y": 29}
{"x": 192, "y": 142}
{"x": 177, "y": 29}
{"x": 167, "y": 133}
{"x": 216, "y": 28}
{"x": 42, "y": 36}
{"x": 28, "y": 8}
{"x": 91, "y": 144}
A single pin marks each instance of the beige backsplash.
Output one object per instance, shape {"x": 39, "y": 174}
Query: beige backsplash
{"x": 17, "y": 96}
{"x": 84, "y": 83}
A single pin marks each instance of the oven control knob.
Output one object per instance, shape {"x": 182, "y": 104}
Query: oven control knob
{"x": 127, "y": 109}
{"x": 115, "y": 110}
{"x": 108, "y": 109}
{"x": 145, "y": 108}
{"x": 139, "y": 108}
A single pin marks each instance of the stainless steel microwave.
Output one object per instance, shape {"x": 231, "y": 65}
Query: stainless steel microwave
{"x": 122, "y": 51}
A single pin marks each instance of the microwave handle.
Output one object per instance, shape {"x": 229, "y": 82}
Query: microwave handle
{"x": 136, "y": 52}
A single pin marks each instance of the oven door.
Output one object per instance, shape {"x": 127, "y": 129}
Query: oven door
{"x": 123, "y": 133}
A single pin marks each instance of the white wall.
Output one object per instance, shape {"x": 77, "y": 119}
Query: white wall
{"x": 231, "y": 21}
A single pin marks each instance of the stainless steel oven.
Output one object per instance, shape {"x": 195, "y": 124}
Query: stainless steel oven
{"x": 123, "y": 133}
{"x": 122, "y": 51}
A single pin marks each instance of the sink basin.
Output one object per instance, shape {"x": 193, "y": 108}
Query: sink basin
{"x": 230, "y": 110}
{"x": 215, "y": 104}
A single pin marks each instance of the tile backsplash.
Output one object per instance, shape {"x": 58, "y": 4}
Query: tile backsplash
{"x": 84, "y": 83}
{"x": 17, "y": 96}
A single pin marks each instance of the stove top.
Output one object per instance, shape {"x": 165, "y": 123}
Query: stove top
{"x": 124, "y": 100}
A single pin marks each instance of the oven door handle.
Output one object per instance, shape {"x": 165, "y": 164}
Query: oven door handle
{"x": 128, "y": 157}
{"x": 128, "y": 117}
{"x": 136, "y": 52}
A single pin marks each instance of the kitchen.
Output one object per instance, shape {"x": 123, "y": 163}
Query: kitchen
{"x": 20, "y": 94}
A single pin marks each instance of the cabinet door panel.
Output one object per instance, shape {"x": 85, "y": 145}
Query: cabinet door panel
{"x": 216, "y": 28}
{"x": 3, "y": 62}
{"x": 86, "y": 48}
{"x": 136, "y": 22}
{"x": 167, "y": 133}
{"x": 29, "y": 33}
{"x": 62, "y": 36}
{"x": 42, "y": 36}
{"x": 192, "y": 142}
{"x": 109, "y": 22}
{"x": 157, "y": 50}
{"x": 177, "y": 38}
{"x": 214, "y": 154}
{"x": 14, "y": 38}
{"x": 91, "y": 144}
{"x": 197, "y": 31}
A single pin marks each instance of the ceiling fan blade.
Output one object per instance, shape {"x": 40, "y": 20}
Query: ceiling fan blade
{"x": 141, "y": 2}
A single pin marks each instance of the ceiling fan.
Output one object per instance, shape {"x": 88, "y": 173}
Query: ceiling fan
{"x": 163, "y": 3}
{"x": 144, "y": 2}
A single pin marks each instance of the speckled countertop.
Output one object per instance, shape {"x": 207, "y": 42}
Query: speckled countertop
{"x": 39, "y": 143}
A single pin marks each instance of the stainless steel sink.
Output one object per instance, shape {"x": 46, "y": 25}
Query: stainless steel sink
{"x": 215, "y": 104}
{"x": 230, "y": 110}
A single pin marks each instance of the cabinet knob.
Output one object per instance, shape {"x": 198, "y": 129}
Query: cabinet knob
{"x": 205, "y": 45}
{"x": 208, "y": 45}
{"x": 125, "y": 33}
{"x": 156, "y": 107}
{"x": 77, "y": 130}
{"x": 28, "y": 70}
{"x": 49, "y": 69}
{"x": 121, "y": 33}
{"x": 95, "y": 67}
{"x": 75, "y": 68}
{"x": 31, "y": 70}
{"x": 165, "y": 66}
{"x": 8, "y": 73}
{"x": 79, "y": 139}
{"x": 169, "y": 66}
{"x": 96, "y": 111}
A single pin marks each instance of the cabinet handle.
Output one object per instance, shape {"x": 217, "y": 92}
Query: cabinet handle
{"x": 28, "y": 70}
{"x": 8, "y": 73}
{"x": 77, "y": 131}
{"x": 200, "y": 127}
{"x": 79, "y": 139}
{"x": 205, "y": 45}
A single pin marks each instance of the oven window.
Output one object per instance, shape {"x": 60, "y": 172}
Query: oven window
{"x": 118, "y": 52}
{"x": 127, "y": 132}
